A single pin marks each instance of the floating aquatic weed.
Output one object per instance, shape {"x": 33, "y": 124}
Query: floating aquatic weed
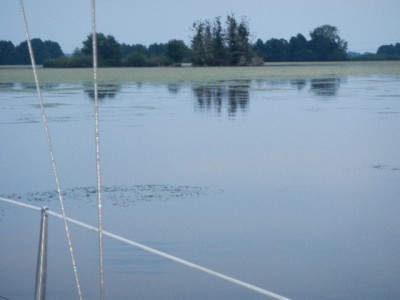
{"x": 385, "y": 167}
{"x": 379, "y": 167}
{"x": 49, "y": 105}
{"x": 119, "y": 195}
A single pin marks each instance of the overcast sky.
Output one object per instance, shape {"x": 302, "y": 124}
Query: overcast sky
{"x": 365, "y": 24}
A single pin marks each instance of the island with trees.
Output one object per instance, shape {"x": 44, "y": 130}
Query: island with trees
{"x": 214, "y": 42}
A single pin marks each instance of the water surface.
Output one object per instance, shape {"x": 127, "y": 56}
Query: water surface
{"x": 285, "y": 176}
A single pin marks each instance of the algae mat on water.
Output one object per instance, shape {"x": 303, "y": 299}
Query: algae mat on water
{"x": 182, "y": 75}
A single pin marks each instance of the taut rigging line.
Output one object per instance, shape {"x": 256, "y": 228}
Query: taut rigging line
{"x": 50, "y": 148}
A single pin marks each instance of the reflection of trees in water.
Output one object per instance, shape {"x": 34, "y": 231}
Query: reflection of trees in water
{"x": 325, "y": 86}
{"x": 173, "y": 88}
{"x": 209, "y": 97}
{"x": 104, "y": 91}
{"x": 238, "y": 97}
{"x": 6, "y": 85}
{"x": 215, "y": 97}
{"x": 232, "y": 96}
{"x": 300, "y": 83}
{"x": 29, "y": 86}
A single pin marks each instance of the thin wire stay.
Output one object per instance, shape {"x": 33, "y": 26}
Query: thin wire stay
{"x": 50, "y": 148}
{"x": 97, "y": 138}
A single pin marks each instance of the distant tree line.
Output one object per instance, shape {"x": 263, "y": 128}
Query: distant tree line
{"x": 113, "y": 54}
{"x": 325, "y": 44}
{"x": 384, "y": 52}
{"x": 213, "y": 43}
{"x": 110, "y": 53}
{"x": 19, "y": 55}
{"x": 389, "y": 50}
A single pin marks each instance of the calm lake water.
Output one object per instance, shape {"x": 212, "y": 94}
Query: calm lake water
{"x": 285, "y": 176}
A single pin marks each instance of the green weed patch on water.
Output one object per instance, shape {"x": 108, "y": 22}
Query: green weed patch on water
{"x": 189, "y": 75}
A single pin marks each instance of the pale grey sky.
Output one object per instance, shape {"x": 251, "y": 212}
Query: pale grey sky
{"x": 365, "y": 24}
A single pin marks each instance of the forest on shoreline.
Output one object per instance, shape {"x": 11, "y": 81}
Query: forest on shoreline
{"x": 213, "y": 43}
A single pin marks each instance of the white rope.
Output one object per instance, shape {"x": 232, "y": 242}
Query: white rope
{"x": 20, "y": 204}
{"x": 97, "y": 138}
{"x": 50, "y": 147}
{"x": 164, "y": 255}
